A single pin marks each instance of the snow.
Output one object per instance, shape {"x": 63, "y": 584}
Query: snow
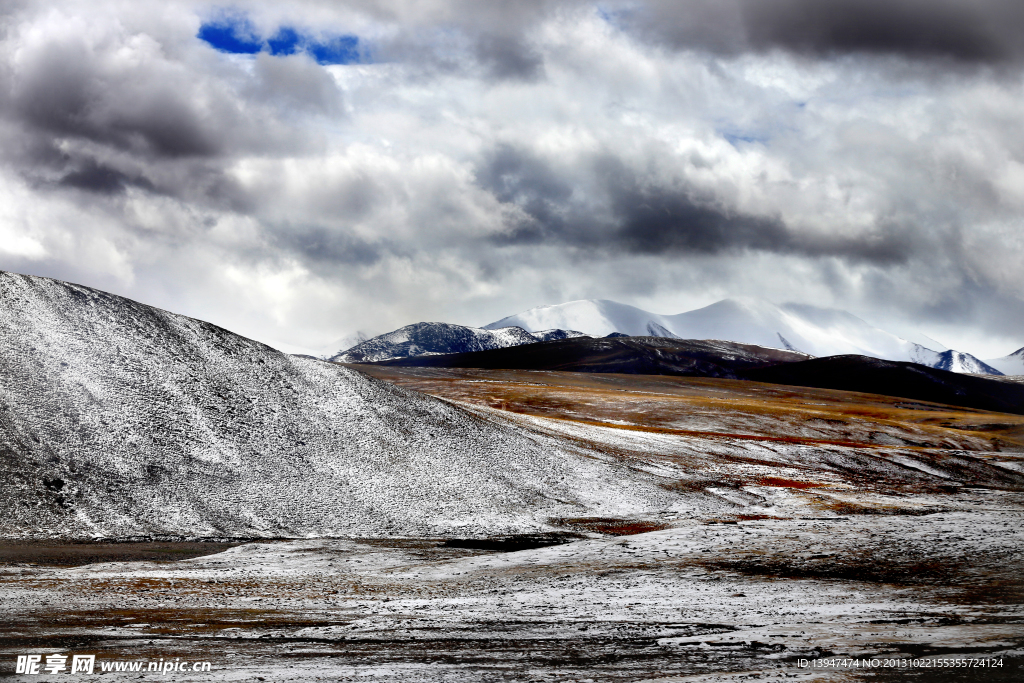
{"x": 597, "y": 318}
{"x": 699, "y": 602}
{"x": 958, "y": 361}
{"x": 425, "y": 339}
{"x": 799, "y": 327}
{"x": 118, "y": 419}
{"x": 1012, "y": 364}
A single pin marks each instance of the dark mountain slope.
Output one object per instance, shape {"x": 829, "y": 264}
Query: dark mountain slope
{"x": 893, "y": 378}
{"x": 628, "y": 355}
{"x": 730, "y": 360}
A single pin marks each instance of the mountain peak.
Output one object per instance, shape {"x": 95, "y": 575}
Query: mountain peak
{"x": 958, "y": 361}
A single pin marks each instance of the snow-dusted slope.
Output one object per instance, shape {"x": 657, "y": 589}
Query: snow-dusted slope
{"x": 809, "y": 329}
{"x": 121, "y": 419}
{"x": 424, "y": 339}
{"x": 958, "y": 361}
{"x": 1009, "y": 365}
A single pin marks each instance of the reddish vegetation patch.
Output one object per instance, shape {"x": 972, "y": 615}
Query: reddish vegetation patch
{"x": 787, "y": 483}
{"x": 611, "y": 526}
{"x": 848, "y": 508}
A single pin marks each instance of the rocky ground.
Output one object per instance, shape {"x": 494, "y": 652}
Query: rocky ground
{"x": 704, "y": 599}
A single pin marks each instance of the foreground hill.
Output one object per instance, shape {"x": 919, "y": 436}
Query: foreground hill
{"x": 808, "y": 329}
{"x": 424, "y": 339}
{"x": 120, "y": 419}
{"x": 628, "y": 355}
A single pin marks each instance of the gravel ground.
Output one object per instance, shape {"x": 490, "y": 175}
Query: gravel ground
{"x": 703, "y": 600}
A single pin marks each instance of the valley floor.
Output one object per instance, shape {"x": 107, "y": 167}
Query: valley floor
{"x": 816, "y": 526}
{"x": 694, "y": 602}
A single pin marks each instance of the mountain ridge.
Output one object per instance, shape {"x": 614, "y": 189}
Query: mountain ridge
{"x": 431, "y": 338}
{"x": 732, "y": 361}
{"x": 624, "y": 355}
{"x": 900, "y": 379}
{"x": 798, "y": 327}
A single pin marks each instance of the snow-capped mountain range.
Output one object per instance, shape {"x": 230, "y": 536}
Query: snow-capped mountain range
{"x": 817, "y": 331}
{"x": 425, "y": 339}
{"x": 797, "y": 327}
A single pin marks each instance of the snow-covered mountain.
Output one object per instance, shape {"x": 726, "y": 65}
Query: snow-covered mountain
{"x": 798, "y": 327}
{"x": 958, "y": 361}
{"x": 1009, "y": 365}
{"x": 424, "y": 339}
{"x": 593, "y": 317}
{"x": 121, "y": 419}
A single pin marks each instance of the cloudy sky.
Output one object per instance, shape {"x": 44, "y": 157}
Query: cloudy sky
{"x": 299, "y": 171}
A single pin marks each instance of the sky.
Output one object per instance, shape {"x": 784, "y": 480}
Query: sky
{"x": 297, "y": 172}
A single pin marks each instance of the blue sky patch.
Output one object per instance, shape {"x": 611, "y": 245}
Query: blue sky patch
{"x": 284, "y": 42}
{"x": 236, "y": 35}
{"x": 339, "y": 50}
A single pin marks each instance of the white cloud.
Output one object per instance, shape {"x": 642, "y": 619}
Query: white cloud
{"x": 492, "y": 161}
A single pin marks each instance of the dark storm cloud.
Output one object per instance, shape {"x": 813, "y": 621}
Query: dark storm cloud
{"x": 62, "y": 90}
{"x": 660, "y": 220}
{"x": 508, "y": 57}
{"x": 98, "y": 109}
{"x": 515, "y": 176}
{"x": 92, "y": 176}
{"x": 672, "y": 221}
{"x": 325, "y": 248}
{"x": 982, "y": 31}
{"x": 963, "y": 31}
{"x": 629, "y": 212}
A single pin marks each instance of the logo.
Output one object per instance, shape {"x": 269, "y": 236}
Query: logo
{"x": 54, "y": 664}
{"x": 85, "y": 664}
